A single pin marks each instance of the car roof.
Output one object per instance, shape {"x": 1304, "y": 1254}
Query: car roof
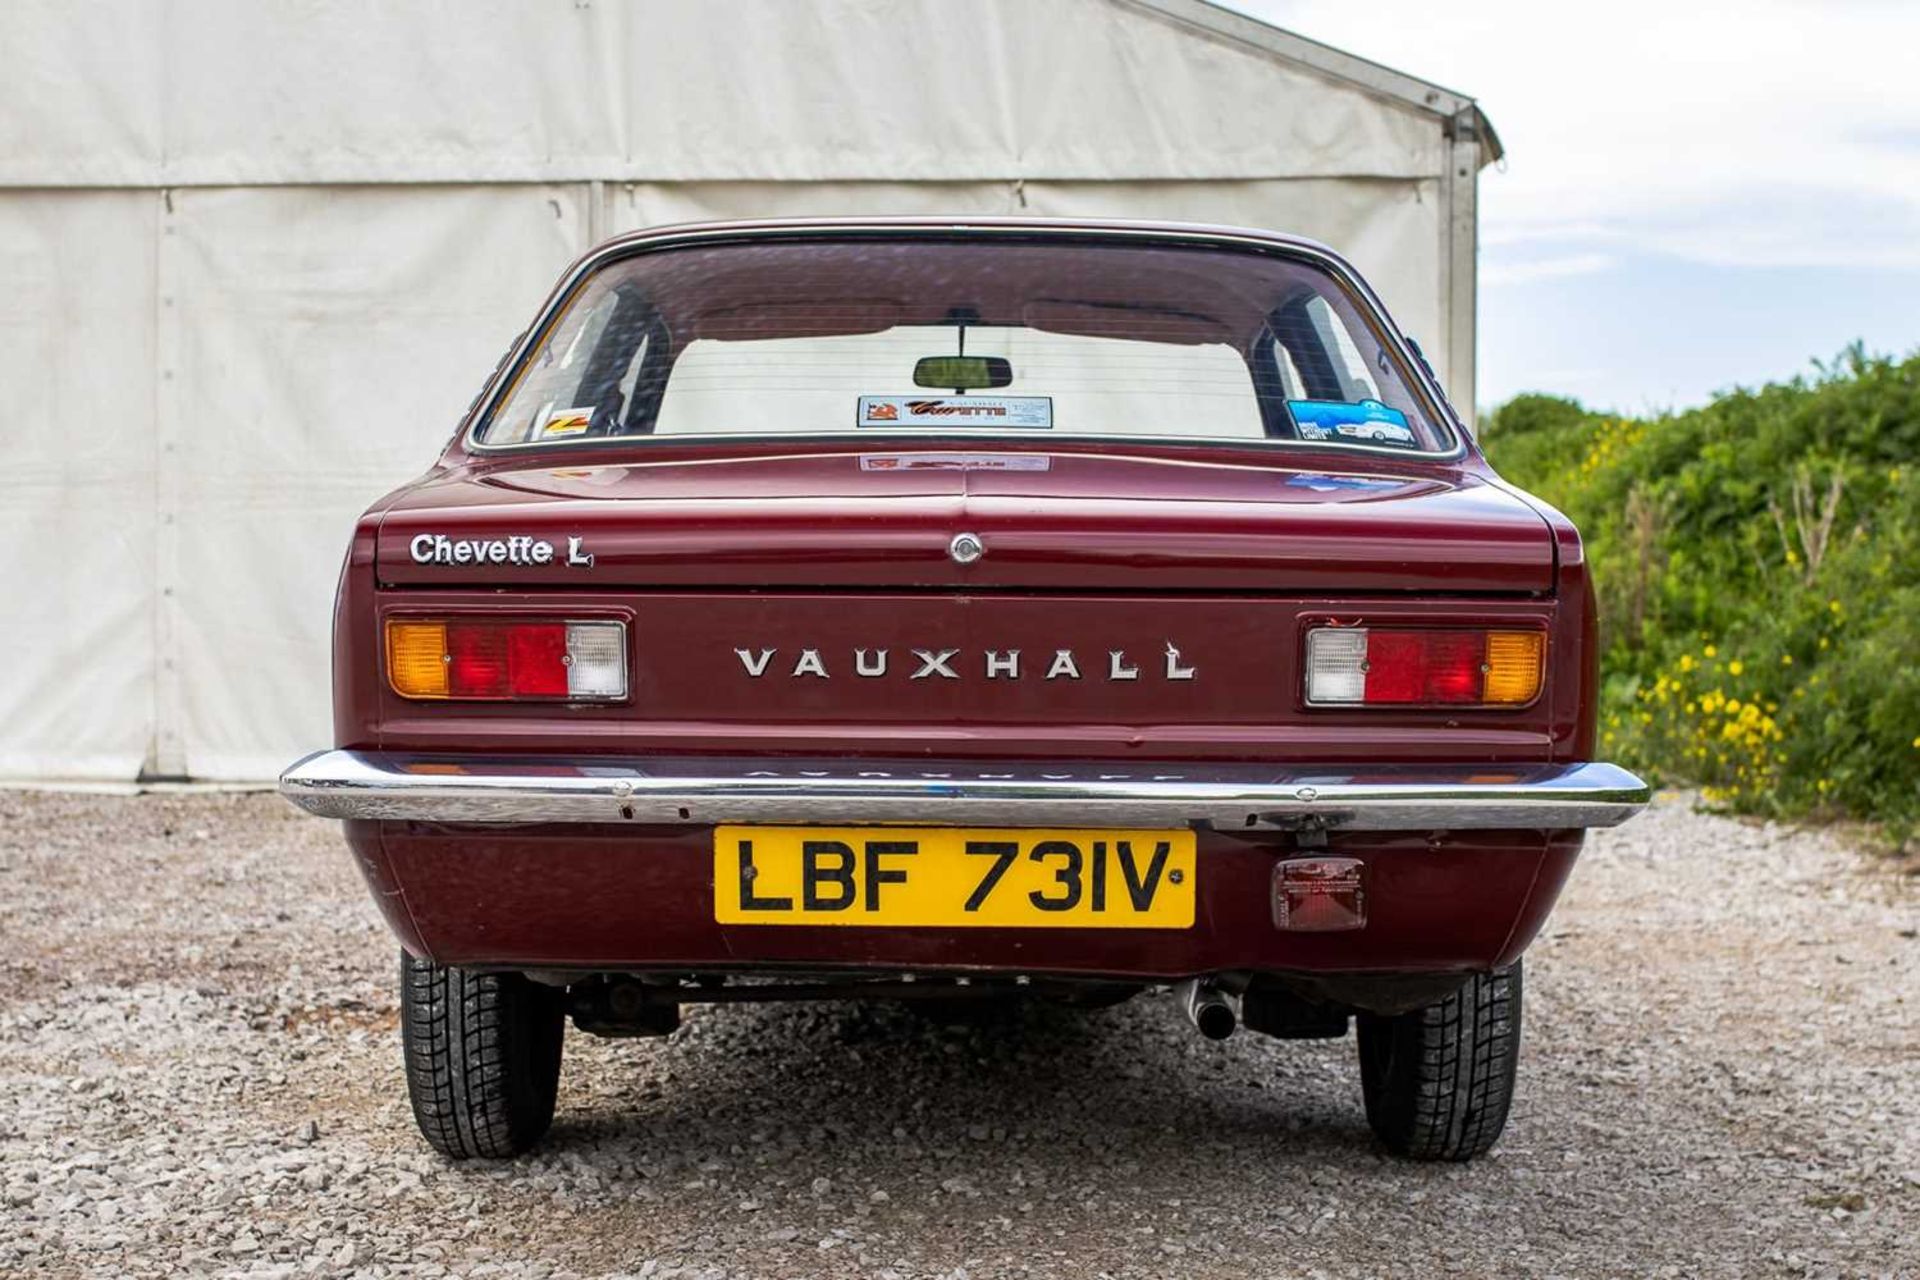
{"x": 961, "y": 222}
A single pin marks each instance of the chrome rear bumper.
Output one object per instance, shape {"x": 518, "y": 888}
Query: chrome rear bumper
{"x": 492, "y": 790}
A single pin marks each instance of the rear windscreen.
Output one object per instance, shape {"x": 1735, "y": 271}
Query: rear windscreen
{"x": 977, "y": 337}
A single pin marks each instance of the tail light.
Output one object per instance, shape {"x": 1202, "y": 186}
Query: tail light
{"x": 1397, "y": 667}
{"x": 507, "y": 660}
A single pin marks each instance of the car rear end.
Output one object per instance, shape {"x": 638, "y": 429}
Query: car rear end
{"x": 1187, "y": 640}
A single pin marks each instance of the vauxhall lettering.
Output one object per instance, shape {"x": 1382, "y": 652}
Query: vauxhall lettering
{"x": 958, "y": 664}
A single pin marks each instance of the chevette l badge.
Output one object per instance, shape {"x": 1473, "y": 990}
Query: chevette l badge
{"x": 950, "y": 664}
{"x": 519, "y": 548}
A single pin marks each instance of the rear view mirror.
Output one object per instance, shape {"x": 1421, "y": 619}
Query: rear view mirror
{"x": 962, "y": 373}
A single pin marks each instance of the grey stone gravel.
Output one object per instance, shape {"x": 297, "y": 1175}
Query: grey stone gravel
{"x": 199, "y": 1075}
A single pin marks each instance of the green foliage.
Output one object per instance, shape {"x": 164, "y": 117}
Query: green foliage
{"x": 1758, "y": 564}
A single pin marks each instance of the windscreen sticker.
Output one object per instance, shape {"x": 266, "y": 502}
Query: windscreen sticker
{"x": 955, "y": 411}
{"x": 1368, "y": 420}
{"x": 567, "y": 422}
{"x": 955, "y": 462}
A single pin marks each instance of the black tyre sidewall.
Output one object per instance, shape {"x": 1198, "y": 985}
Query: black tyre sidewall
{"x": 1439, "y": 1081}
{"x": 482, "y": 1053}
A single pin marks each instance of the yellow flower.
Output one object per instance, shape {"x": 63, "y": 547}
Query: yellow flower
{"x": 1834, "y": 605}
{"x": 1823, "y": 642}
{"x": 1786, "y": 659}
{"x": 1712, "y": 652}
{"x": 1735, "y": 667}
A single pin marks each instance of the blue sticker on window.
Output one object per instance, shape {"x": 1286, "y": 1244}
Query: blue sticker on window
{"x": 1367, "y": 421}
{"x": 1334, "y": 484}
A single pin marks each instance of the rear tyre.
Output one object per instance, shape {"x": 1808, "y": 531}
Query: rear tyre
{"x": 483, "y": 1057}
{"x": 1439, "y": 1081}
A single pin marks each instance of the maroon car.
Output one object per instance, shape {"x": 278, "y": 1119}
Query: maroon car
{"x": 908, "y": 609}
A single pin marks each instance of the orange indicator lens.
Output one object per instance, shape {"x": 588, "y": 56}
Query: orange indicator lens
{"x": 417, "y": 658}
{"x": 1513, "y": 666}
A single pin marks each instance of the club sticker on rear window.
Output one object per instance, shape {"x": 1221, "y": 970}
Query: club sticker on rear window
{"x": 567, "y": 422}
{"x": 955, "y": 411}
{"x": 1365, "y": 422}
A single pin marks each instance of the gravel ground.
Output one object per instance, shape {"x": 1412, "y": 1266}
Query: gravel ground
{"x": 199, "y": 1074}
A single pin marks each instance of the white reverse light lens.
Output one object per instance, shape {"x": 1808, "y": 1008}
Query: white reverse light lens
{"x": 1337, "y": 665}
{"x": 596, "y": 660}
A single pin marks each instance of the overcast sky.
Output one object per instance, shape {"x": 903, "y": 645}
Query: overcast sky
{"x": 1696, "y": 193}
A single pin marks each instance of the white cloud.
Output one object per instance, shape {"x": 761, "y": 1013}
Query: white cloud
{"x": 1526, "y": 271}
{"x": 1776, "y": 132}
{"x": 1575, "y": 229}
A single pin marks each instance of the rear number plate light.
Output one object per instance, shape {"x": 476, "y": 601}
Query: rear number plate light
{"x": 491, "y": 660}
{"x": 1403, "y": 667}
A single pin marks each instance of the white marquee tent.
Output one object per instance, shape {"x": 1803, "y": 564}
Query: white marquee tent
{"x": 256, "y": 257}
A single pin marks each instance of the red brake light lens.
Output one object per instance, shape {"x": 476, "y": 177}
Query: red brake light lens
{"x": 477, "y": 661}
{"x": 537, "y": 660}
{"x": 506, "y": 660}
{"x": 1406, "y": 667}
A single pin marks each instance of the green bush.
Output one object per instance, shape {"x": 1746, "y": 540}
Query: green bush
{"x": 1758, "y": 564}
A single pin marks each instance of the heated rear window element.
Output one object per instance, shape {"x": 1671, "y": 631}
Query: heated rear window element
{"x": 978, "y": 337}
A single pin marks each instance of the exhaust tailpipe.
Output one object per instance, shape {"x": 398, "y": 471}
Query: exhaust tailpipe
{"x": 1208, "y": 1008}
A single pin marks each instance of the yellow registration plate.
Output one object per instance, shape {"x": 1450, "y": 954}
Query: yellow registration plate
{"x": 944, "y": 877}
